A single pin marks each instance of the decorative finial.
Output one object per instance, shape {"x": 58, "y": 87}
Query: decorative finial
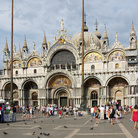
{"x": 33, "y": 45}
{"x": 85, "y": 18}
{"x": 14, "y": 49}
{"x": 96, "y": 24}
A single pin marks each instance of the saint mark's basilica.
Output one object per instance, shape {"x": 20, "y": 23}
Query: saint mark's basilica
{"x": 54, "y": 75}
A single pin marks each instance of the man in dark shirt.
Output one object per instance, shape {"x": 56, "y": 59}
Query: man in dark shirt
{"x": 14, "y": 114}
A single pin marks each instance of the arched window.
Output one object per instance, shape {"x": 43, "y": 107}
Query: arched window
{"x": 16, "y": 72}
{"x": 35, "y": 71}
{"x": 92, "y": 68}
{"x": 94, "y": 95}
{"x": 116, "y": 66}
{"x": 34, "y": 96}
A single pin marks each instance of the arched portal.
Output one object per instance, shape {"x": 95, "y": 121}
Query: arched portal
{"x": 30, "y": 93}
{"x": 62, "y": 97}
{"x": 60, "y": 87}
{"x": 7, "y": 93}
{"x": 117, "y": 90}
{"x": 92, "y": 87}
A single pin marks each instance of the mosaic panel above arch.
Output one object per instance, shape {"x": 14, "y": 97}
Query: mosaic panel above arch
{"x": 116, "y": 55}
{"x": 34, "y": 62}
{"x": 92, "y": 83}
{"x": 91, "y": 57}
{"x": 116, "y": 82}
{"x": 17, "y": 64}
{"x": 60, "y": 80}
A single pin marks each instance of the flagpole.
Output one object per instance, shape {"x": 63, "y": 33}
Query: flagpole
{"x": 11, "y": 101}
{"x": 82, "y": 86}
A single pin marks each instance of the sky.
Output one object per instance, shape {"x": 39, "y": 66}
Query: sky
{"x": 33, "y": 17}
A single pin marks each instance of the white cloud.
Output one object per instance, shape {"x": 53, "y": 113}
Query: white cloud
{"x": 33, "y": 17}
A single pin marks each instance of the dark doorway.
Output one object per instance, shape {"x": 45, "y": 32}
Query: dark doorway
{"x": 63, "y": 101}
{"x": 35, "y": 103}
{"x": 94, "y": 103}
{"x": 119, "y": 102}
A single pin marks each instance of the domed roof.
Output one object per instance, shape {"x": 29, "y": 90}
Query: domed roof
{"x": 89, "y": 38}
{"x": 98, "y": 34}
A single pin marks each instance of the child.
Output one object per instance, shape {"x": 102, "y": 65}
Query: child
{"x": 59, "y": 112}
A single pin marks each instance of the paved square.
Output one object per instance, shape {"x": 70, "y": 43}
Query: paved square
{"x": 67, "y": 127}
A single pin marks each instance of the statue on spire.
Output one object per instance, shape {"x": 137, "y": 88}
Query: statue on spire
{"x": 116, "y": 37}
{"x": 62, "y": 25}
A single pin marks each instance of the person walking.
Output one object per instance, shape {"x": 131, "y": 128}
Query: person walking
{"x": 14, "y": 114}
{"x": 97, "y": 114}
{"x": 135, "y": 116}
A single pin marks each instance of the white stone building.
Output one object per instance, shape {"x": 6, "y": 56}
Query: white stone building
{"x": 54, "y": 76}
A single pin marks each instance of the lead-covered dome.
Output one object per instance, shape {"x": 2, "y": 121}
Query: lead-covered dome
{"x": 89, "y": 38}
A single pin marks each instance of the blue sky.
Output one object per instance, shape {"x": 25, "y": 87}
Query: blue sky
{"x": 33, "y": 17}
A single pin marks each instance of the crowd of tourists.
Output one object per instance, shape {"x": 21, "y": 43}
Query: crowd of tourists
{"x": 114, "y": 111}
{"x": 108, "y": 111}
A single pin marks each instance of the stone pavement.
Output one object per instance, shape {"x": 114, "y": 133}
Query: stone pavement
{"x": 80, "y": 128}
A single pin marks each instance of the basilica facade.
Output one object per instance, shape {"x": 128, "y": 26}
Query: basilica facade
{"x": 54, "y": 75}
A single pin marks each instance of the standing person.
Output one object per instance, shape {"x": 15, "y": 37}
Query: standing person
{"x": 135, "y": 116}
{"x": 43, "y": 111}
{"x": 112, "y": 112}
{"x": 28, "y": 112}
{"x": 102, "y": 112}
{"x": 59, "y": 113}
{"x": 96, "y": 114}
{"x": 92, "y": 113}
{"x": 14, "y": 114}
{"x": 75, "y": 109}
{"x": 7, "y": 113}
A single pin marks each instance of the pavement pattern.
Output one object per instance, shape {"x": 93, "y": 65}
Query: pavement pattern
{"x": 67, "y": 127}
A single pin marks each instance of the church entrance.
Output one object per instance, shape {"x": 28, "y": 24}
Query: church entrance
{"x": 63, "y": 101}
{"x": 94, "y": 103}
{"x": 119, "y": 97}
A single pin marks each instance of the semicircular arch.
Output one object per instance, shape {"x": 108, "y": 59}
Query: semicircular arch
{"x": 60, "y": 48}
{"x": 58, "y": 72}
{"x": 61, "y": 89}
{"x": 93, "y": 77}
{"x": 116, "y": 55}
{"x": 93, "y": 56}
{"x": 34, "y": 61}
{"x": 27, "y": 81}
{"x": 116, "y": 76}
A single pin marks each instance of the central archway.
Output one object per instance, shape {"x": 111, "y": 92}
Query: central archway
{"x": 59, "y": 90}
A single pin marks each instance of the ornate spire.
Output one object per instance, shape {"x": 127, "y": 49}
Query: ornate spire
{"x": 44, "y": 40}
{"x": 19, "y": 52}
{"x": 105, "y": 34}
{"x": 132, "y": 30}
{"x": 25, "y": 43}
{"x": 6, "y": 46}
